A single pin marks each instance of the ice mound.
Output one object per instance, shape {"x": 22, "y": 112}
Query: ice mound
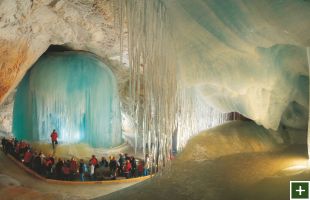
{"x": 230, "y": 138}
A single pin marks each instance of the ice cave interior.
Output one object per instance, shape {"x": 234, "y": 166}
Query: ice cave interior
{"x": 224, "y": 84}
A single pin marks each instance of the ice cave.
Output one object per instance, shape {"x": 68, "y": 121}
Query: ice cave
{"x": 208, "y": 99}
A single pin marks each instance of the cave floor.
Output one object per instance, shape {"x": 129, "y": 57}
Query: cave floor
{"x": 15, "y": 183}
{"x": 238, "y": 176}
{"x": 244, "y": 176}
{"x": 247, "y": 176}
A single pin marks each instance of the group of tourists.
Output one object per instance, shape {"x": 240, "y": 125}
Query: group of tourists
{"x": 76, "y": 169}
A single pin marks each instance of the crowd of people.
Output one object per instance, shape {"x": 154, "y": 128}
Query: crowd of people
{"x": 76, "y": 169}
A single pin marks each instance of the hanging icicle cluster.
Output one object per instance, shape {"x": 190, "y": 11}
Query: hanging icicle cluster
{"x": 162, "y": 110}
{"x": 153, "y": 77}
{"x": 194, "y": 116}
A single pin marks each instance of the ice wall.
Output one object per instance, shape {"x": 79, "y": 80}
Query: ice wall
{"x": 240, "y": 60}
{"x": 74, "y": 93}
{"x": 194, "y": 115}
{"x": 243, "y": 56}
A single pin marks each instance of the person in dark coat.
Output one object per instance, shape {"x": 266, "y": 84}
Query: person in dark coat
{"x": 113, "y": 167}
{"x": 133, "y": 166}
{"x": 104, "y": 162}
{"x": 3, "y": 143}
{"x": 37, "y": 163}
{"x": 58, "y": 169}
{"x": 121, "y": 162}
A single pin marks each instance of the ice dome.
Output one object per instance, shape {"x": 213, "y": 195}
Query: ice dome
{"x": 75, "y": 94}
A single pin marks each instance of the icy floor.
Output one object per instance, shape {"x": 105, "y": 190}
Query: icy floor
{"x": 17, "y": 184}
{"x": 251, "y": 176}
{"x": 231, "y": 162}
{"x": 223, "y": 172}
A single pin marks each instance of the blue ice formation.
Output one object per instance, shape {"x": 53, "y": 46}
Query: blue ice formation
{"x": 239, "y": 60}
{"x": 72, "y": 92}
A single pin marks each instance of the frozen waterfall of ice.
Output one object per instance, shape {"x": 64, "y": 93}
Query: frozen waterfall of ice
{"x": 72, "y": 92}
{"x": 165, "y": 114}
{"x": 230, "y": 53}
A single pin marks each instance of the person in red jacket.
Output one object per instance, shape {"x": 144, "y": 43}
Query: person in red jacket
{"x": 73, "y": 168}
{"x": 94, "y": 161}
{"x": 140, "y": 168}
{"x": 54, "y": 137}
{"x": 28, "y": 158}
{"x": 127, "y": 169}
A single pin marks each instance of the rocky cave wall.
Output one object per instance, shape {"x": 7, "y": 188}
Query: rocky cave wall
{"x": 29, "y": 27}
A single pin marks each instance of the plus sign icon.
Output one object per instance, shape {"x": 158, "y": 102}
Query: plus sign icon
{"x": 299, "y": 190}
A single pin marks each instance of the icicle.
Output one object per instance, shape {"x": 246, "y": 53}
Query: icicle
{"x": 160, "y": 108}
{"x": 151, "y": 94}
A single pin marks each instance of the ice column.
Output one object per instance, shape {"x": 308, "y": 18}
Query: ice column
{"x": 74, "y": 93}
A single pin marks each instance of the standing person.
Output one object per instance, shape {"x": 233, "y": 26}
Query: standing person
{"x": 73, "y": 168}
{"x": 66, "y": 170}
{"x": 127, "y": 169}
{"x": 3, "y": 142}
{"x": 37, "y": 163}
{"x": 94, "y": 161}
{"x": 121, "y": 162}
{"x": 92, "y": 172}
{"x": 58, "y": 169}
{"x": 133, "y": 166}
{"x": 141, "y": 168}
{"x": 146, "y": 165}
{"x": 48, "y": 164}
{"x": 104, "y": 162}
{"x": 54, "y": 137}
{"x": 82, "y": 170}
{"x": 28, "y": 158}
{"x": 113, "y": 167}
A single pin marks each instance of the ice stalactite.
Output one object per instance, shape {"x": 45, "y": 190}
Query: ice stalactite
{"x": 165, "y": 114}
{"x": 153, "y": 78}
{"x": 74, "y": 93}
{"x": 194, "y": 116}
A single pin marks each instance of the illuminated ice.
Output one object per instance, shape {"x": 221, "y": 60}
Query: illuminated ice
{"x": 226, "y": 53}
{"x": 74, "y": 93}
